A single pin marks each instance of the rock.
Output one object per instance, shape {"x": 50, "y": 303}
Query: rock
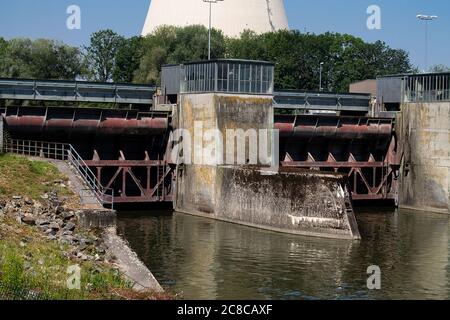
{"x": 42, "y": 222}
{"x": 27, "y": 239}
{"x": 59, "y": 210}
{"x": 29, "y": 202}
{"x": 51, "y": 232}
{"x": 29, "y": 220}
{"x": 67, "y": 239}
{"x": 82, "y": 256}
{"x": 101, "y": 250}
{"x": 54, "y": 226}
{"x": 68, "y": 215}
{"x": 44, "y": 196}
{"x": 68, "y": 233}
{"x": 86, "y": 241}
{"x": 70, "y": 226}
{"x": 22, "y": 244}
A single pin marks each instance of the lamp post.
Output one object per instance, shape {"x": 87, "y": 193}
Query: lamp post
{"x": 209, "y": 32}
{"x": 426, "y": 18}
{"x": 320, "y": 76}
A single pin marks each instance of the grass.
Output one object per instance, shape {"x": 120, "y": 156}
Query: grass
{"x": 20, "y": 176}
{"x": 35, "y": 268}
{"x": 31, "y": 267}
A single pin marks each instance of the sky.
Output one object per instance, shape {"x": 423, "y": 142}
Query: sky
{"x": 399, "y": 26}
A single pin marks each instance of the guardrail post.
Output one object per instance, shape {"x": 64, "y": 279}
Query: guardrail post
{"x": 1, "y": 133}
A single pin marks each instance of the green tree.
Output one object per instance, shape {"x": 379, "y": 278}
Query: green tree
{"x": 298, "y": 56}
{"x": 16, "y": 62}
{"x": 439, "y": 68}
{"x": 70, "y": 62}
{"x": 101, "y": 54}
{"x": 42, "y": 58}
{"x": 170, "y": 44}
{"x": 128, "y": 59}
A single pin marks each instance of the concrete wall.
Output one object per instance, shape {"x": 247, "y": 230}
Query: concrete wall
{"x": 291, "y": 201}
{"x": 295, "y": 201}
{"x": 424, "y": 134}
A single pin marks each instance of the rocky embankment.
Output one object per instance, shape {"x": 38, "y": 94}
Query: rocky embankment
{"x": 58, "y": 223}
{"x": 84, "y": 235}
{"x": 45, "y": 230}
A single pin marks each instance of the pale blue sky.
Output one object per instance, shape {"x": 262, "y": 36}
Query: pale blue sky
{"x": 400, "y": 28}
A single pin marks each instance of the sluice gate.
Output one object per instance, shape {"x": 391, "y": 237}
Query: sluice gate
{"x": 129, "y": 150}
{"x": 363, "y": 148}
{"x": 126, "y": 149}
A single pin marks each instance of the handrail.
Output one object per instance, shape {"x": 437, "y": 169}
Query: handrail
{"x": 65, "y": 152}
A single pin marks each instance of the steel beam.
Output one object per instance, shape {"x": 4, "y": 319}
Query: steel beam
{"x": 75, "y": 91}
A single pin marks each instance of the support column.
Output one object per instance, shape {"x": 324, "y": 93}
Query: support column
{"x": 1, "y": 133}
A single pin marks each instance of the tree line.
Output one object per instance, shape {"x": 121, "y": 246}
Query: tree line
{"x": 112, "y": 57}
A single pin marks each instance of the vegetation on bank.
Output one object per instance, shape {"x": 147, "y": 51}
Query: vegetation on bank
{"x": 32, "y": 267}
{"x": 111, "y": 57}
{"x": 34, "y": 263}
{"x": 20, "y": 176}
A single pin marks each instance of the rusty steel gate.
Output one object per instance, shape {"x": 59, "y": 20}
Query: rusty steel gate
{"x": 363, "y": 148}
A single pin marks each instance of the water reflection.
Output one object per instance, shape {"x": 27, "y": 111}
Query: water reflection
{"x": 206, "y": 259}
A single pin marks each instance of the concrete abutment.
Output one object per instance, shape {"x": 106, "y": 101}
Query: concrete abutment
{"x": 295, "y": 201}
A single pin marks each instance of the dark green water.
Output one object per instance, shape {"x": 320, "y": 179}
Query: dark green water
{"x": 207, "y": 259}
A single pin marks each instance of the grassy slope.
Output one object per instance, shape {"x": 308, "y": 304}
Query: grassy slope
{"x": 20, "y": 176}
{"x": 29, "y": 262}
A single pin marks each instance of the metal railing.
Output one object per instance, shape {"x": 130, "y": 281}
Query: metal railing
{"x": 65, "y": 152}
{"x": 75, "y": 91}
{"x": 428, "y": 96}
{"x": 433, "y": 87}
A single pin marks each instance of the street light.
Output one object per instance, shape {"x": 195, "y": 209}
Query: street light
{"x": 209, "y": 32}
{"x": 320, "y": 77}
{"x": 426, "y": 18}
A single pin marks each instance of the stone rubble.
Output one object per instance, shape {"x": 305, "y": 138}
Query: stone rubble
{"x": 58, "y": 223}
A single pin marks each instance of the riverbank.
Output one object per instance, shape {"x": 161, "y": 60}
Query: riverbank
{"x": 43, "y": 242}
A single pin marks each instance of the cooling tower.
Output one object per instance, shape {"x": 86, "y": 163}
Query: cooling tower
{"x": 230, "y": 16}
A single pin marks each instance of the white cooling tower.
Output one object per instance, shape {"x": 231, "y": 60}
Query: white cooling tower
{"x": 230, "y": 16}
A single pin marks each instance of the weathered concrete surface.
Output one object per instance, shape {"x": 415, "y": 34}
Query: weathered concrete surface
{"x": 128, "y": 262}
{"x": 295, "y": 201}
{"x": 97, "y": 218}
{"x": 424, "y": 134}
{"x": 299, "y": 202}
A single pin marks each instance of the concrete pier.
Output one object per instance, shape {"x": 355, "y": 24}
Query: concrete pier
{"x": 292, "y": 201}
{"x": 424, "y": 130}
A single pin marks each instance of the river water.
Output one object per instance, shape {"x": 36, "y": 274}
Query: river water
{"x": 206, "y": 259}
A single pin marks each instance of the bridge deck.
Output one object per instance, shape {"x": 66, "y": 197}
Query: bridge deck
{"x": 142, "y": 94}
{"x": 75, "y": 91}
